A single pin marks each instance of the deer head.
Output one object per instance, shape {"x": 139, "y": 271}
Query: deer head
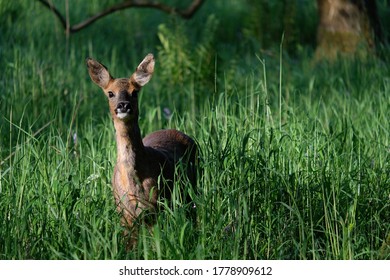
{"x": 122, "y": 93}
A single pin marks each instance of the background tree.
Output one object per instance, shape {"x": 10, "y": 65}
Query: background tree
{"x": 346, "y": 27}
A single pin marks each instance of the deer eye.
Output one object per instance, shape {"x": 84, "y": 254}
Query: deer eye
{"x": 134, "y": 93}
{"x": 111, "y": 94}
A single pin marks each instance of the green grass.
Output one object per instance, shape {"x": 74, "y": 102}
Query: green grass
{"x": 292, "y": 168}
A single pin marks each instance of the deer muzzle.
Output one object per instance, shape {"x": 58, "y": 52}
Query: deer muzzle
{"x": 123, "y": 110}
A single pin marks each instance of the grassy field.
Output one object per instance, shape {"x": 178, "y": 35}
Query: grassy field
{"x": 295, "y": 156}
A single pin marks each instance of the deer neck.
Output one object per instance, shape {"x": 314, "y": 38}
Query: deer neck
{"x": 129, "y": 142}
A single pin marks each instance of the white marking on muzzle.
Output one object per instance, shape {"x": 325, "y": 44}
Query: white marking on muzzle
{"x": 122, "y": 115}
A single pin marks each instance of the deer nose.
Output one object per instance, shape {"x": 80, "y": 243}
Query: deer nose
{"x": 123, "y": 107}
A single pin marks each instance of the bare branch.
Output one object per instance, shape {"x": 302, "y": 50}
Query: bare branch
{"x": 51, "y": 7}
{"x": 186, "y": 13}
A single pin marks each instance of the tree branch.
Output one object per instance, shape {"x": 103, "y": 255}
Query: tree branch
{"x": 186, "y": 13}
{"x": 52, "y": 8}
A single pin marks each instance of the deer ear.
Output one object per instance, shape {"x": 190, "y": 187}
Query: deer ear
{"x": 144, "y": 71}
{"x": 98, "y": 73}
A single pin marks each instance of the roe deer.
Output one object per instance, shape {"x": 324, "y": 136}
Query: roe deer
{"x": 136, "y": 180}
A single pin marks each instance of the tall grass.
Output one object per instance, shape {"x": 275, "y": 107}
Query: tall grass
{"x": 295, "y": 159}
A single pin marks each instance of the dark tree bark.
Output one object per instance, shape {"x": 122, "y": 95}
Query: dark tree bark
{"x": 347, "y": 27}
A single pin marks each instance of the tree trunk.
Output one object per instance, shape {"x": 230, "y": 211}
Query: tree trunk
{"x": 346, "y": 27}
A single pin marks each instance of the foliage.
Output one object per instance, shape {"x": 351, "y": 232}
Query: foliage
{"x": 292, "y": 170}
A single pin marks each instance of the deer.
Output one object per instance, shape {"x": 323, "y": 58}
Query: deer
{"x": 145, "y": 169}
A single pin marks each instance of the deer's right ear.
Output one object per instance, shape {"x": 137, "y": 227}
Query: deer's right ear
{"x": 98, "y": 73}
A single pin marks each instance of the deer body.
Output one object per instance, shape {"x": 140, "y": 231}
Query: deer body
{"x": 145, "y": 168}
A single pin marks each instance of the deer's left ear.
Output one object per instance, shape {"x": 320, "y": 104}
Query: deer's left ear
{"x": 144, "y": 71}
{"x": 98, "y": 73}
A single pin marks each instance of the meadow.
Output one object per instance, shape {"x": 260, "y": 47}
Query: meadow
{"x": 294, "y": 154}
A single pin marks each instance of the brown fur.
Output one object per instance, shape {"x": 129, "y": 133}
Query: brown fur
{"x": 136, "y": 181}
